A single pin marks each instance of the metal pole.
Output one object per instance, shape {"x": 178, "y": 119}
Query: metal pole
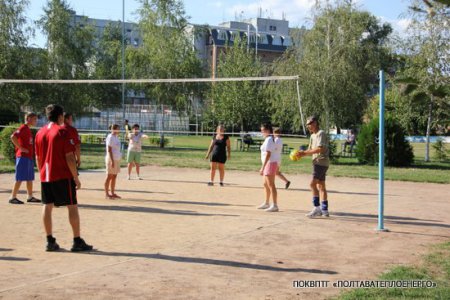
{"x": 300, "y": 107}
{"x": 381, "y": 158}
{"x": 256, "y": 39}
{"x": 123, "y": 59}
{"x": 248, "y": 37}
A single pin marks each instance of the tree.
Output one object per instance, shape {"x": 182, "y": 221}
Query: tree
{"x": 426, "y": 74}
{"x": 337, "y": 62}
{"x": 70, "y": 48}
{"x": 107, "y": 65}
{"x": 14, "y": 59}
{"x": 238, "y": 104}
{"x": 166, "y": 52}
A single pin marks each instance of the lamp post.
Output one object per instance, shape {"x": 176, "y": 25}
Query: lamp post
{"x": 123, "y": 59}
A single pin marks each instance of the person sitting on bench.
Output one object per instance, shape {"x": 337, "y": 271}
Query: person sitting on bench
{"x": 351, "y": 140}
{"x": 247, "y": 140}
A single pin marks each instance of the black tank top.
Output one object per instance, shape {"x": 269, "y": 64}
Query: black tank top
{"x": 220, "y": 146}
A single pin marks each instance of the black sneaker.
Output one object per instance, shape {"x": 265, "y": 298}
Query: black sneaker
{"x": 52, "y": 246}
{"x": 287, "y": 185}
{"x": 15, "y": 201}
{"x": 33, "y": 200}
{"x": 221, "y": 184}
{"x": 210, "y": 183}
{"x": 81, "y": 246}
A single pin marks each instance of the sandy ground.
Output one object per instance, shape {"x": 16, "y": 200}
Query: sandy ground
{"x": 173, "y": 237}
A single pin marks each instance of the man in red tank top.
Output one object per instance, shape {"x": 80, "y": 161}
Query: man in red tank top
{"x": 59, "y": 177}
{"x": 23, "y": 142}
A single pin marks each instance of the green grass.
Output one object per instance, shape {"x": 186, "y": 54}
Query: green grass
{"x": 435, "y": 267}
{"x": 189, "y": 152}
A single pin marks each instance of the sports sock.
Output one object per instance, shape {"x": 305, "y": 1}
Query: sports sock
{"x": 316, "y": 201}
{"x": 325, "y": 205}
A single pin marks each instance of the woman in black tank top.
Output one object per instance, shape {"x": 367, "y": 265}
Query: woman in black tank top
{"x": 219, "y": 150}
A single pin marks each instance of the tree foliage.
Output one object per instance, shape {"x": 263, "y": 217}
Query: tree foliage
{"x": 166, "y": 52}
{"x": 238, "y": 104}
{"x": 337, "y": 61}
{"x": 398, "y": 151}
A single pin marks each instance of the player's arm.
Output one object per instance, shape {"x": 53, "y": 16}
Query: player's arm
{"x": 38, "y": 162}
{"x": 15, "y": 141}
{"x": 229, "y": 148}
{"x": 268, "y": 155}
{"x": 72, "y": 163}
{"x": 78, "y": 154}
{"x": 319, "y": 149}
{"x": 144, "y": 136}
{"x": 111, "y": 155}
{"x": 209, "y": 149}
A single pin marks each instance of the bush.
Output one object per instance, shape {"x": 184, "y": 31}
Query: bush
{"x": 92, "y": 138}
{"x": 332, "y": 147}
{"x": 440, "y": 151}
{"x": 156, "y": 140}
{"x": 6, "y": 146}
{"x": 398, "y": 151}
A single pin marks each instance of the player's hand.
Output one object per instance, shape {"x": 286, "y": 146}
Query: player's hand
{"x": 261, "y": 171}
{"x": 112, "y": 163}
{"x": 207, "y": 156}
{"x": 300, "y": 153}
{"x": 78, "y": 163}
{"x": 229, "y": 156}
{"x": 24, "y": 150}
{"x": 77, "y": 183}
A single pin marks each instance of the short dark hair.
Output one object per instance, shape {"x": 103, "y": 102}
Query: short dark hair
{"x": 312, "y": 119}
{"x": 53, "y": 111}
{"x": 30, "y": 115}
{"x": 135, "y": 126}
{"x": 126, "y": 121}
{"x": 67, "y": 115}
{"x": 114, "y": 127}
{"x": 267, "y": 126}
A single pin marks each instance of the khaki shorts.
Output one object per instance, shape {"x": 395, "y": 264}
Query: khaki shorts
{"x": 109, "y": 167}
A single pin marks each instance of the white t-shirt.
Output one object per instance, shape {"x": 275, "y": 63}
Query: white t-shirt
{"x": 276, "y": 154}
{"x": 113, "y": 142}
{"x": 268, "y": 146}
{"x": 135, "y": 142}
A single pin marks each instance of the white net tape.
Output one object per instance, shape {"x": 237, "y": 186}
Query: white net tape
{"x": 170, "y": 80}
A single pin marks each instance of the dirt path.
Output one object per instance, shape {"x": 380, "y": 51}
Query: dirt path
{"x": 173, "y": 237}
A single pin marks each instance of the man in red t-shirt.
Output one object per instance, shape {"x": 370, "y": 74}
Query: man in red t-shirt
{"x": 59, "y": 178}
{"x": 73, "y": 136}
{"x": 23, "y": 142}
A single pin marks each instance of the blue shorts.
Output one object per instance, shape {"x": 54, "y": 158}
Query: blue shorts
{"x": 24, "y": 169}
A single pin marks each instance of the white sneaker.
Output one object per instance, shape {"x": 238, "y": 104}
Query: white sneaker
{"x": 263, "y": 206}
{"x": 273, "y": 208}
{"x": 325, "y": 213}
{"x": 316, "y": 212}
{"x": 139, "y": 178}
{"x": 128, "y": 177}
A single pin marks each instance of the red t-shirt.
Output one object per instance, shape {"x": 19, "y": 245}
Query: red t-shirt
{"x": 52, "y": 145}
{"x": 73, "y": 134}
{"x": 25, "y": 138}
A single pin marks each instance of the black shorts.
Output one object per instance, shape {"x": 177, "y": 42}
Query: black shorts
{"x": 220, "y": 158}
{"x": 319, "y": 172}
{"x": 61, "y": 193}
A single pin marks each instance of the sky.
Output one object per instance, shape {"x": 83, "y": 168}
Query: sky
{"x": 213, "y": 12}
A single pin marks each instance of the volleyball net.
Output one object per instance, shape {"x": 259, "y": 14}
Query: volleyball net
{"x": 117, "y": 100}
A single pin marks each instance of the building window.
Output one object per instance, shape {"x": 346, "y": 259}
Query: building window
{"x": 272, "y": 28}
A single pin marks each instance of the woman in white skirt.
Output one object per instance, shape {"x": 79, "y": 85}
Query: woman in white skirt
{"x": 112, "y": 161}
